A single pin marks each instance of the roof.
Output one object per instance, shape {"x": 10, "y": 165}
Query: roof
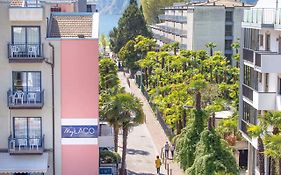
{"x": 74, "y": 25}
{"x": 226, "y": 3}
{"x": 16, "y": 3}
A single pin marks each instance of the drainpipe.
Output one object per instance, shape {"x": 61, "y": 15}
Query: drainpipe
{"x": 52, "y": 64}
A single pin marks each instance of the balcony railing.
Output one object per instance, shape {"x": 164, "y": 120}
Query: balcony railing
{"x": 173, "y": 18}
{"x": 25, "y": 99}
{"x": 244, "y": 127}
{"x": 31, "y": 145}
{"x": 25, "y": 52}
{"x": 248, "y": 55}
{"x": 27, "y": 3}
{"x": 263, "y": 16}
{"x": 267, "y": 61}
{"x": 258, "y": 59}
{"x": 247, "y": 92}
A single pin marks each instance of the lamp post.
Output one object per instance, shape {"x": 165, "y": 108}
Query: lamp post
{"x": 139, "y": 74}
{"x": 186, "y": 107}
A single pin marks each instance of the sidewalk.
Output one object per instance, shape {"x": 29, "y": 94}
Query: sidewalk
{"x": 157, "y": 134}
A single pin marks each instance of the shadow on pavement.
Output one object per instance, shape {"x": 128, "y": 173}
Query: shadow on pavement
{"x": 134, "y": 173}
{"x": 135, "y": 151}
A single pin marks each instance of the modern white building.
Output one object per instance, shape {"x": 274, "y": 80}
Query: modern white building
{"x": 260, "y": 74}
{"x": 194, "y": 25}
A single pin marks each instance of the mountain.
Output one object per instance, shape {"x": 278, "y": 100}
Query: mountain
{"x": 112, "y": 7}
{"x": 250, "y": 1}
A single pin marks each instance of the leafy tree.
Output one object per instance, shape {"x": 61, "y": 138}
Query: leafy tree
{"x": 152, "y": 8}
{"x": 103, "y": 42}
{"x": 130, "y": 25}
{"x": 212, "y": 156}
{"x": 188, "y": 139}
{"x": 211, "y": 46}
{"x": 129, "y": 110}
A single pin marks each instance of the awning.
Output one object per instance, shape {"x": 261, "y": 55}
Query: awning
{"x": 23, "y": 163}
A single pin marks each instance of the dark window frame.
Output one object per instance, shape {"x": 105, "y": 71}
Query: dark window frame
{"x": 27, "y": 78}
{"x": 16, "y": 26}
{"x": 27, "y": 126}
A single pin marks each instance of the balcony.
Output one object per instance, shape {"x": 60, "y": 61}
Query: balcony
{"x": 244, "y": 126}
{"x": 25, "y": 100}
{"x": 248, "y": 55}
{"x": 21, "y": 146}
{"x": 259, "y": 18}
{"x": 173, "y": 18}
{"x": 25, "y": 52}
{"x": 247, "y": 92}
{"x": 29, "y": 10}
{"x": 264, "y": 100}
{"x": 268, "y": 62}
{"x": 171, "y": 30}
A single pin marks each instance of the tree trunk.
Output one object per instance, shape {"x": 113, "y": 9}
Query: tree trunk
{"x": 116, "y": 131}
{"x": 124, "y": 152}
{"x": 279, "y": 166}
{"x": 179, "y": 127}
{"x": 198, "y": 101}
{"x": 261, "y": 156}
{"x": 272, "y": 166}
{"x": 184, "y": 119}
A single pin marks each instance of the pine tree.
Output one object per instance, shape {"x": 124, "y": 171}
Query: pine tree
{"x": 130, "y": 25}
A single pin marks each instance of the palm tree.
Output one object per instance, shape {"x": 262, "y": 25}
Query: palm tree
{"x": 129, "y": 111}
{"x": 211, "y": 46}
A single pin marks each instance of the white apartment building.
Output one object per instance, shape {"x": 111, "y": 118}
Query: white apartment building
{"x": 260, "y": 75}
{"x": 194, "y": 25}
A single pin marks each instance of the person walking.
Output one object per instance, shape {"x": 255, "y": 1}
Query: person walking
{"x": 172, "y": 149}
{"x": 158, "y": 164}
{"x": 166, "y": 147}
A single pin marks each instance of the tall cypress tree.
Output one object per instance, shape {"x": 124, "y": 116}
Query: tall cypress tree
{"x": 130, "y": 25}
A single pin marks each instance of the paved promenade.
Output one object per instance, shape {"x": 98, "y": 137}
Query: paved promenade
{"x": 145, "y": 141}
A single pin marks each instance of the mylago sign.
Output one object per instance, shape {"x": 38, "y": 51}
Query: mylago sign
{"x": 83, "y": 131}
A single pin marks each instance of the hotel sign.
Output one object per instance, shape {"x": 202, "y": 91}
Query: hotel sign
{"x": 76, "y": 131}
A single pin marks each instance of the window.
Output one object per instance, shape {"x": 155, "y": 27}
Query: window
{"x": 26, "y": 35}
{"x": 261, "y": 40}
{"x": 27, "y": 81}
{"x": 228, "y": 30}
{"x": 27, "y": 127}
{"x": 267, "y": 42}
{"x": 260, "y": 77}
{"x": 89, "y": 8}
{"x": 229, "y": 16}
{"x": 26, "y": 40}
{"x": 251, "y": 38}
{"x": 249, "y": 113}
{"x": 250, "y": 77}
{"x": 228, "y": 44}
{"x": 55, "y": 9}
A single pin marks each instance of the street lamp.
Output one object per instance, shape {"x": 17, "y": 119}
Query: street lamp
{"x": 139, "y": 73}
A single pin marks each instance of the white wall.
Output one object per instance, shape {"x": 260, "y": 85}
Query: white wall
{"x": 209, "y": 26}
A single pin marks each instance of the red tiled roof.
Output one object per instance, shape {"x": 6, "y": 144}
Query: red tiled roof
{"x": 16, "y": 3}
{"x": 71, "y": 26}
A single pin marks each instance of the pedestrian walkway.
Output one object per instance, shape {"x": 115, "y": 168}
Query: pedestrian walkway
{"x": 153, "y": 129}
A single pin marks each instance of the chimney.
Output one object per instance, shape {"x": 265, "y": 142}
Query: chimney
{"x": 81, "y": 36}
